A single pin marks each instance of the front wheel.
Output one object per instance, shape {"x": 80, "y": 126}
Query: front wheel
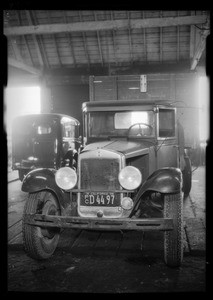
{"x": 173, "y": 240}
{"x": 40, "y": 243}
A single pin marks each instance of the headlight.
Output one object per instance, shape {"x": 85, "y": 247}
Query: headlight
{"x": 130, "y": 178}
{"x": 66, "y": 178}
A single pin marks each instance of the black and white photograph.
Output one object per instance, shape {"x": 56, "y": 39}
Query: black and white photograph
{"x": 107, "y": 124}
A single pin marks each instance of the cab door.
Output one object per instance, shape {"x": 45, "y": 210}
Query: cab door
{"x": 167, "y": 149}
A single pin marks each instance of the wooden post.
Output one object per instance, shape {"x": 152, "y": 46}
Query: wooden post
{"x": 46, "y": 97}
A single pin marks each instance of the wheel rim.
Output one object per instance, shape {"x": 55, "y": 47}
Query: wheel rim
{"x": 49, "y": 208}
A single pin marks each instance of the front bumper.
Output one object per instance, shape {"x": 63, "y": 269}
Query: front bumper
{"x": 148, "y": 224}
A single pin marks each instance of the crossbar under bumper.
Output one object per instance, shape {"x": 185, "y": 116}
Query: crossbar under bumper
{"x": 149, "y": 224}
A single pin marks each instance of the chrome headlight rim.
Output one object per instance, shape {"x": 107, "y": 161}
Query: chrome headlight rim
{"x": 66, "y": 178}
{"x": 130, "y": 178}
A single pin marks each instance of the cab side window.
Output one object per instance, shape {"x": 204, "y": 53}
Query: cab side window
{"x": 166, "y": 123}
{"x": 68, "y": 130}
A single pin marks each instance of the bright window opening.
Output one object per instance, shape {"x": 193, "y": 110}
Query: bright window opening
{"x": 123, "y": 120}
{"x": 20, "y": 101}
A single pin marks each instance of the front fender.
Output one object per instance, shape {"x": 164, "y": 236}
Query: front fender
{"x": 165, "y": 181}
{"x": 44, "y": 179}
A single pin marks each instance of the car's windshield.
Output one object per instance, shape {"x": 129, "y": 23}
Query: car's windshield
{"x": 122, "y": 123}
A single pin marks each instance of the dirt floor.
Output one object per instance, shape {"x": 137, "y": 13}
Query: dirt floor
{"x": 110, "y": 262}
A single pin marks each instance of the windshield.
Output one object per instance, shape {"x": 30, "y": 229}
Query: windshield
{"x": 124, "y": 123}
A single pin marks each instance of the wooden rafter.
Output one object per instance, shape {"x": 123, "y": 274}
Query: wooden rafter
{"x": 161, "y": 40}
{"x": 178, "y": 41}
{"x": 199, "y": 48}
{"x": 20, "y": 65}
{"x": 35, "y": 39}
{"x": 84, "y": 39}
{"x": 144, "y": 39}
{"x": 41, "y": 43}
{"x": 130, "y": 39}
{"x": 104, "y": 25}
{"x": 70, "y": 41}
{"x": 113, "y": 37}
{"x": 16, "y": 50}
{"x": 24, "y": 38}
{"x": 99, "y": 42}
{"x": 54, "y": 41}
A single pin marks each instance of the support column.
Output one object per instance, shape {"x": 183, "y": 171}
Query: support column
{"x": 46, "y": 97}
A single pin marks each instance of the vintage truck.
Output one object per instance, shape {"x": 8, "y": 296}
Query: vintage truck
{"x": 132, "y": 174}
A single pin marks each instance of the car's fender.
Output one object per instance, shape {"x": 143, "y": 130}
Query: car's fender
{"x": 44, "y": 179}
{"x": 166, "y": 181}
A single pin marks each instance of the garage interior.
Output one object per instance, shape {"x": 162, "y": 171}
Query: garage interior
{"x": 62, "y": 54}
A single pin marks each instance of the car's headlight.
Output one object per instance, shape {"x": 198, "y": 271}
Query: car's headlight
{"x": 66, "y": 178}
{"x": 130, "y": 178}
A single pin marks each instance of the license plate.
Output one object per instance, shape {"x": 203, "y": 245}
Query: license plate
{"x": 99, "y": 199}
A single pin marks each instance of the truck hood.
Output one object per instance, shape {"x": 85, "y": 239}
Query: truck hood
{"x": 128, "y": 148}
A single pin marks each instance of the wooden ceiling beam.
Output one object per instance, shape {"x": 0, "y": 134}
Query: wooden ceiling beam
{"x": 35, "y": 40}
{"x": 104, "y": 25}
{"x": 114, "y": 40}
{"x": 199, "y": 49}
{"x": 24, "y": 38}
{"x": 199, "y": 43}
{"x": 84, "y": 41}
{"x": 99, "y": 42}
{"x": 130, "y": 38}
{"x": 178, "y": 41}
{"x": 161, "y": 39}
{"x": 144, "y": 39}
{"x": 54, "y": 41}
{"x": 70, "y": 41}
{"x": 20, "y": 65}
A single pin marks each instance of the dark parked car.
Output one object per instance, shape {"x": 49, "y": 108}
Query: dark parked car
{"x": 44, "y": 140}
{"x": 131, "y": 175}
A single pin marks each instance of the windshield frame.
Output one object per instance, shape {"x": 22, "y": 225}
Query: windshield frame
{"x": 121, "y": 110}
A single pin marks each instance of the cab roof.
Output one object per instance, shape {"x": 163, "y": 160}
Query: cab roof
{"x": 47, "y": 116}
{"x": 122, "y": 104}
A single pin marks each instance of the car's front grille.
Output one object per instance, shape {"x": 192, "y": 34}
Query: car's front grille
{"x": 99, "y": 174}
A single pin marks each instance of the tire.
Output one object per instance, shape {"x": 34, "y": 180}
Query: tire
{"x": 40, "y": 243}
{"x": 173, "y": 240}
{"x": 187, "y": 177}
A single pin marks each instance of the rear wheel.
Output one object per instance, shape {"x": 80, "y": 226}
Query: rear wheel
{"x": 40, "y": 243}
{"x": 173, "y": 240}
{"x": 187, "y": 177}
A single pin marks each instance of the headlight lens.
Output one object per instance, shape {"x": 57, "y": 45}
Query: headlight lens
{"x": 130, "y": 178}
{"x": 66, "y": 178}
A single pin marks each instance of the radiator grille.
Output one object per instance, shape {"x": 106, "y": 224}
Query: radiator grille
{"x": 100, "y": 174}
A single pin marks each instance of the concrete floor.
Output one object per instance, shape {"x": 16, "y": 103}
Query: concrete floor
{"x": 110, "y": 262}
